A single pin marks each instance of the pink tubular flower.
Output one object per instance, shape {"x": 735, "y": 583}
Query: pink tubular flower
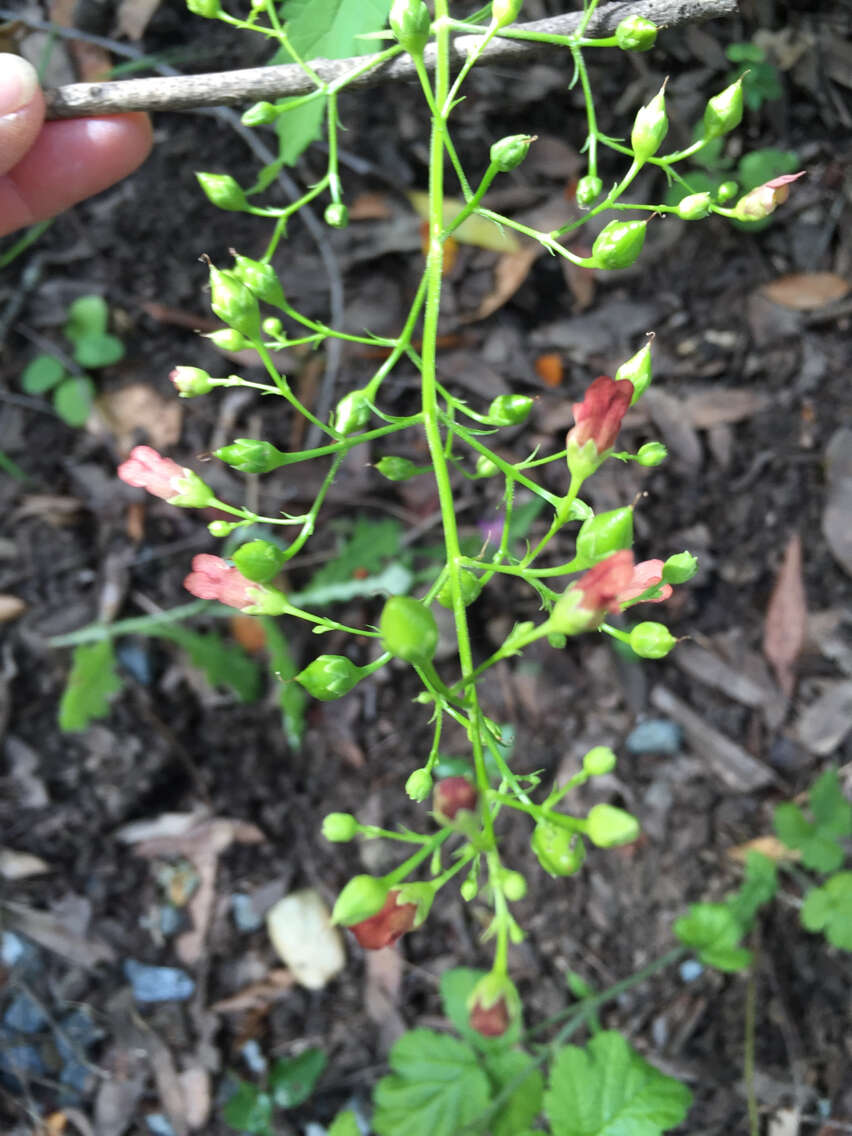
{"x": 604, "y": 584}
{"x": 766, "y": 198}
{"x": 146, "y": 469}
{"x": 212, "y": 578}
{"x": 645, "y": 576}
{"x": 386, "y": 926}
{"x": 598, "y": 417}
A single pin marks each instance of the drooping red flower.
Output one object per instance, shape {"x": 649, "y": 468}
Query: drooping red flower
{"x": 645, "y": 576}
{"x": 146, "y": 469}
{"x": 452, "y": 795}
{"x": 212, "y": 578}
{"x": 491, "y": 1021}
{"x": 598, "y": 417}
{"x": 605, "y": 583}
{"x": 386, "y": 926}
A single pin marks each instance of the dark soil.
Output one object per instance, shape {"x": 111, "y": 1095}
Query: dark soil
{"x": 76, "y": 546}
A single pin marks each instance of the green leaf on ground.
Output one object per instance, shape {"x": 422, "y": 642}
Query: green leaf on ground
{"x": 829, "y": 909}
{"x": 42, "y": 374}
{"x": 817, "y": 840}
{"x": 293, "y": 1079}
{"x": 292, "y": 698}
{"x": 607, "y": 1089}
{"x": 435, "y": 1089}
{"x": 524, "y": 1105}
{"x": 456, "y": 986}
{"x": 98, "y": 350}
{"x": 758, "y": 887}
{"x": 249, "y": 1109}
{"x": 72, "y": 400}
{"x": 345, "y": 1124}
{"x": 712, "y": 930}
{"x": 364, "y": 551}
{"x": 93, "y": 679}
{"x": 87, "y": 315}
{"x": 223, "y": 663}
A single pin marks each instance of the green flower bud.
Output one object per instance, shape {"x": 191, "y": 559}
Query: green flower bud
{"x": 469, "y": 889}
{"x": 651, "y": 640}
{"x": 509, "y": 410}
{"x": 694, "y": 206}
{"x": 191, "y": 381}
{"x": 226, "y": 339}
{"x": 485, "y": 467}
{"x": 249, "y": 455}
{"x": 505, "y": 12}
{"x": 259, "y": 560}
{"x": 724, "y": 111}
{"x": 194, "y": 493}
{"x": 604, "y": 534}
{"x": 208, "y": 8}
{"x": 471, "y": 586}
{"x": 637, "y": 369}
{"x": 223, "y": 191}
{"x": 508, "y": 153}
{"x": 680, "y": 568}
{"x": 599, "y": 761}
{"x": 397, "y": 469}
{"x": 618, "y": 245}
{"x": 329, "y": 677}
{"x": 222, "y": 528}
{"x": 635, "y": 33}
{"x": 260, "y": 114}
{"x": 589, "y": 189}
{"x": 272, "y": 326}
{"x": 411, "y": 23}
{"x": 419, "y": 785}
{"x": 726, "y": 191}
{"x": 362, "y": 897}
{"x": 650, "y": 127}
{"x": 607, "y": 826}
{"x": 352, "y": 413}
{"x": 514, "y": 886}
{"x": 559, "y": 851}
{"x": 340, "y": 828}
{"x": 652, "y": 453}
{"x": 409, "y": 630}
{"x": 336, "y": 215}
{"x": 260, "y": 278}
{"x": 233, "y": 303}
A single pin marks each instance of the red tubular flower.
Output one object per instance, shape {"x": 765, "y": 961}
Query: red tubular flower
{"x": 598, "y": 417}
{"x": 604, "y": 584}
{"x": 386, "y": 926}
{"x": 212, "y": 578}
{"x": 645, "y": 576}
{"x": 491, "y": 1021}
{"x": 766, "y": 198}
{"x": 452, "y": 795}
{"x": 146, "y": 469}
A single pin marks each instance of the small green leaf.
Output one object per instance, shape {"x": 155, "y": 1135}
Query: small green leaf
{"x": 345, "y": 1124}
{"x": 93, "y": 679}
{"x": 607, "y": 1089}
{"x": 435, "y": 1089}
{"x": 223, "y": 663}
{"x": 292, "y": 1080}
{"x": 43, "y": 373}
{"x": 832, "y": 812}
{"x": 758, "y": 887}
{"x": 98, "y": 350}
{"x": 712, "y": 930}
{"x": 72, "y": 400}
{"x": 829, "y": 908}
{"x": 524, "y": 1105}
{"x": 87, "y": 315}
{"x": 817, "y": 840}
{"x": 292, "y": 698}
{"x": 249, "y": 1110}
{"x": 456, "y": 986}
{"x": 364, "y": 551}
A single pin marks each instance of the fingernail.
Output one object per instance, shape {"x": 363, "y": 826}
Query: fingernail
{"x": 18, "y": 83}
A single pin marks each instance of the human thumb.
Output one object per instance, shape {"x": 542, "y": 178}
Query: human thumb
{"x": 21, "y": 109}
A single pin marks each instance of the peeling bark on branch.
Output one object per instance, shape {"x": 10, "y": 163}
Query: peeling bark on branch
{"x": 233, "y": 88}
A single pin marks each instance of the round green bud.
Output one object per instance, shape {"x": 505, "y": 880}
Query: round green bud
{"x": 514, "y": 886}
{"x": 411, "y": 23}
{"x": 191, "y": 381}
{"x": 362, "y": 897}
{"x": 485, "y": 467}
{"x": 619, "y": 244}
{"x": 223, "y": 192}
{"x": 259, "y": 560}
{"x": 726, "y": 191}
{"x": 724, "y": 112}
{"x": 469, "y": 889}
{"x": 508, "y": 153}
{"x": 599, "y": 761}
{"x": 409, "y": 630}
{"x": 336, "y": 215}
{"x": 604, "y": 534}
{"x": 680, "y": 568}
{"x": 260, "y": 278}
{"x": 694, "y": 206}
{"x": 260, "y": 114}
{"x": 419, "y": 785}
{"x": 607, "y": 826}
{"x": 652, "y": 453}
{"x": 396, "y": 468}
{"x": 559, "y": 851}
{"x": 636, "y": 33}
{"x": 222, "y": 528}
{"x": 352, "y": 413}
{"x": 340, "y": 828}
{"x": 249, "y": 455}
{"x": 509, "y": 410}
{"x": 470, "y": 589}
{"x": 208, "y": 8}
{"x": 505, "y": 12}
{"x": 226, "y": 339}
{"x": 651, "y": 640}
{"x": 233, "y": 303}
{"x": 650, "y": 127}
{"x": 637, "y": 369}
{"x": 589, "y": 189}
{"x": 329, "y": 677}
{"x": 272, "y": 326}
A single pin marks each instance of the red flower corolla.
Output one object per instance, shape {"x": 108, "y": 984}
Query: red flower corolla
{"x": 386, "y": 926}
{"x": 765, "y": 199}
{"x": 146, "y": 469}
{"x": 490, "y": 1021}
{"x": 604, "y": 584}
{"x": 598, "y": 417}
{"x": 452, "y": 795}
{"x": 645, "y": 576}
{"x": 212, "y": 578}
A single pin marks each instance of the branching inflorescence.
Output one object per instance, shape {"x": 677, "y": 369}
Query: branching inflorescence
{"x": 602, "y": 576}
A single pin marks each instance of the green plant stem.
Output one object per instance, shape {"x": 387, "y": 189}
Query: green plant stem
{"x": 407, "y": 866}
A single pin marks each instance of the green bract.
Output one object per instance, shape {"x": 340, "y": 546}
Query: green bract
{"x": 471, "y": 586}
{"x": 559, "y": 851}
{"x": 589, "y": 189}
{"x": 397, "y": 469}
{"x": 411, "y": 23}
{"x": 679, "y": 568}
{"x": 604, "y": 534}
{"x": 618, "y": 245}
{"x": 223, "y": 191}
{"x": 636, "y": 33}
{"x": 362, "y": 897}
{"x": 249, "y": 455}
{"x": 508, "y": 153}
{"x": 260, "y": 278}
{"x": 352, "y": 413}
{"x": 509, "y": 409}
{"x": 409, "y": 630}
{"x": 233, "y": 303}
{"x": 329, "y": 677}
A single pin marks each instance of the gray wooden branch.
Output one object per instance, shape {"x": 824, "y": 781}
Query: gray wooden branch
{"x": 231, "y": 88}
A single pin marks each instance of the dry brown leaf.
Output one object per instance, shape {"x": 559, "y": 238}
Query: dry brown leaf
{"x": 248, "y": 632}
{"x": 769, "y": 846}
{"x": 49, "y": 507}
{"x": 64, "y": 933}
{"x": 91, "y": 62}
{"x": 138, "y": 407}
{"x": 786, "y": 617}
{"x": 370, "y": 207}
{"x": 719, "y": 405}
{"x": 133, "y": 17}
{"x": 257, "y": 995}
{"x": 804, "y": 291}
{"x": 510, "y": 272}
{"x": 837, "y": 514}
